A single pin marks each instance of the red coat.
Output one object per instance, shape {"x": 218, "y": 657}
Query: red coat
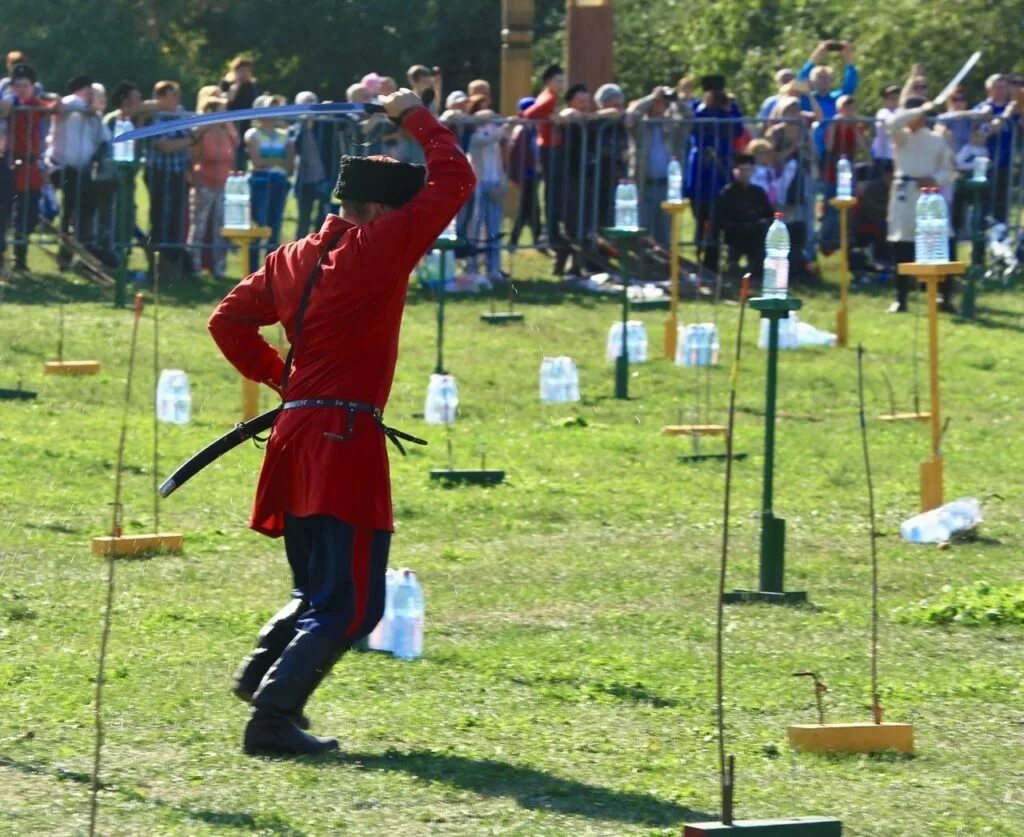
{"x": 347, "y": 348}
{"x": 25, "y": 128}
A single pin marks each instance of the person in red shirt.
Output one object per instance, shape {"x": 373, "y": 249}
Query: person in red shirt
{"x": 549, "y": 147}
{"x": 325, "y": 485}
{"x": 26, "y": 139}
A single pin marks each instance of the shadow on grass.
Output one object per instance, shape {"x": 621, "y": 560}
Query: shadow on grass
{"x": 52, "y": 288}
{"x": 241, "y": 820}
{"x": 530, "y": 788}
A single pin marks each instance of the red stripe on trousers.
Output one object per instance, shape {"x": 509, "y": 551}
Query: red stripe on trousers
{"x": 362, "y": 542}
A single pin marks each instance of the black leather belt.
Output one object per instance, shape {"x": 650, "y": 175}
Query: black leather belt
{"x": 395, "y": 436}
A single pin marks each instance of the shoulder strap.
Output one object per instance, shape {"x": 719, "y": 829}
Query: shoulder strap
{"x": 301, "y": 311}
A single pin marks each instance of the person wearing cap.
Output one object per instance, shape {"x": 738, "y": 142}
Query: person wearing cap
{"x": 1001, "y": 107}
{"x": 76, "y": 135}
{"x": 324, "y": 484}
{"x": 22, "y": 177}
{"x": 242, "y": 88}
{"x": 922, "y": 158}
{"x": 271, "y": 154}
{"x": 742, "y": 213}
{"x": 709, "y": 161}
{"x": 522, "y": 170}
{"x": 313, "y": 141}
{"x": 212, "y": 158}
{"x": 455, "y": 105}
{"x": 612, "y": 149}
{"x": 783, "y": 77}
{"x": 373, "y": 83}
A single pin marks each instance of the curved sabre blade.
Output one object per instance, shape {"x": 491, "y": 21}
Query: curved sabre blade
{"x": 167, "y": 126}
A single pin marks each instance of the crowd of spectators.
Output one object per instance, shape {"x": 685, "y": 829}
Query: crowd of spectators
{"x": 564, "y": 151}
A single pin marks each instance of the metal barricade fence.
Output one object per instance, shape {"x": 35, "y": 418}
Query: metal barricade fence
{"x": 59, "y": 178}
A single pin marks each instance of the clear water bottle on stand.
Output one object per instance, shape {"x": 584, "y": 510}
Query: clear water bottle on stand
{"x": 922, "y": 216}
{"x": 844, "y": 179}
{"x": 940, "y": 222}
{"x": 173, "y": 399}
{"x": 675, "y": 181}
{"x": 124, "y": 152}
{"x": 979, "y": 171}
{"x": 626, "y": 210}
{"x": 410, "y": 610}
{"x": 776, "y": 260}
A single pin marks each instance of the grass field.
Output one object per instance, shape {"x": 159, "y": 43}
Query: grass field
{"x": 567, "y": 685}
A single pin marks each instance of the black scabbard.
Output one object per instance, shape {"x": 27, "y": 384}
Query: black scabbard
{"x": 242, "y": 431}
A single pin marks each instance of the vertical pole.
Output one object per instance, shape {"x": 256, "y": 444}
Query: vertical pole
{"x": 771, "y": 567}
{"x": 439, "y": 368}
{"x": 933, "y": 361}
{"x": 842, "y": 322}
{"x": 250, "y": 389}
{"x": 516, "y": 52}
{"x": 622, "y": 362}
{"x": 672, "y": 321}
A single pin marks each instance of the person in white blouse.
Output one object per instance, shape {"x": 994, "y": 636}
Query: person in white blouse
{"x": 922, "y": 158}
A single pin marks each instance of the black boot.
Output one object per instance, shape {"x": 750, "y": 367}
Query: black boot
{"x": 902, "y": 293}
{"x": 283, "y": 693}
{"x": 947, "y": 296}
{"x": 270, "y": 644}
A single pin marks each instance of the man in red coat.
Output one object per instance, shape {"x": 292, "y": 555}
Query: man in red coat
{"x": 325, "y": 484}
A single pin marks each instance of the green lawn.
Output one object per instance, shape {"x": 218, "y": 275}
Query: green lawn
{"x": 567, "y": 685}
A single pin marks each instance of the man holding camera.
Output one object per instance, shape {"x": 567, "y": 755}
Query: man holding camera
{"x": 821, "y": 79}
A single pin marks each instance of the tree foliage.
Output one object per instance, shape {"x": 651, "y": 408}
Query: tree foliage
{"x": 325, "y": 45}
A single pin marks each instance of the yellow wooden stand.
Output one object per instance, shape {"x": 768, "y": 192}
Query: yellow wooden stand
{"x": 245, "y": 239}
{"x": 842, "y": 315}
{"x": 675, "y": 211}
{"x": 71, "y": 367}
{"x": 931, "y": 470}
{"x": 693, "y": 430}
{"x": 852, "y": 738}
{"x": 136, "y": 544}
{"x": 905, "y": 417}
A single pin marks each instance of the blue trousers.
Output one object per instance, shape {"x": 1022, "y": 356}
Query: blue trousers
{"x": 339, "y": 570}
{"x": 268, "y": 191}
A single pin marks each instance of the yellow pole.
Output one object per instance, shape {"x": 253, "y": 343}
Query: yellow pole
{"x": 675, "y": 210}
{"x": 931, "y": 471}
{"x": 244, "y": 238}
{"x": 842, "y": 315}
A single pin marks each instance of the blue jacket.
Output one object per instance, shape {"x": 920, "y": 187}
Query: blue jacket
{"x": 827, "y": 101}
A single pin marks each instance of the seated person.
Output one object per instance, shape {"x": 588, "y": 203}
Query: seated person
{"x": 742, "y": 213}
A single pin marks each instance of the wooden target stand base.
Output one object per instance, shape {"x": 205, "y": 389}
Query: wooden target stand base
{"x": 130, "y": 546}
{"x": 71, "y": 367}
{"x": 866, "y": 737}
{"x": 776, "y": 827}
{"x": 905, "y": 417}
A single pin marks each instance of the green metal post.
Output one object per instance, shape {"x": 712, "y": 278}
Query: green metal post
{"x": 771, "y": 587}
{"x": 622, "y": 237}
{"x": 977, "y": 268}
{"x": 443, "y": 245}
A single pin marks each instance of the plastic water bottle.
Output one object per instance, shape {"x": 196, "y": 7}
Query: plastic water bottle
{"x": 237, "y": 202}
{"x": 442, "y": 400}
{"x": 173, "y": 399}
{"x": 940, "y": 227}
{"x": 939, "y": 525}
{"x": 382, "y": 636}
{"x": 979, "y": 172}
{"x": 124, "y": 152}
{"x": 626, "y": 211}
{"x": 776, "y": 260}
{"x": 675, "y": 181}
{"x": 922, "y": 218}
{"x": 559, "y": 380}
{"x": 844, "y": 178}
{"x": 700, "y": 346}
{"x": 451, "y": 232}
{"x": 636, "y": 341}
{"x": 408, "y": 617}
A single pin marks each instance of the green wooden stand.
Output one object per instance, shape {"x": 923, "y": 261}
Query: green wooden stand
{"x": 621, "y": 238}
{"x": 780, "y": 827}
{"x": 18, "y": 394}
{"x": 773, "y": 529}
{"x": 443, "y": 245}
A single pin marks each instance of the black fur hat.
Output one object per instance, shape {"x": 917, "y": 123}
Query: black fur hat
{"x": 378, "y": 180}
